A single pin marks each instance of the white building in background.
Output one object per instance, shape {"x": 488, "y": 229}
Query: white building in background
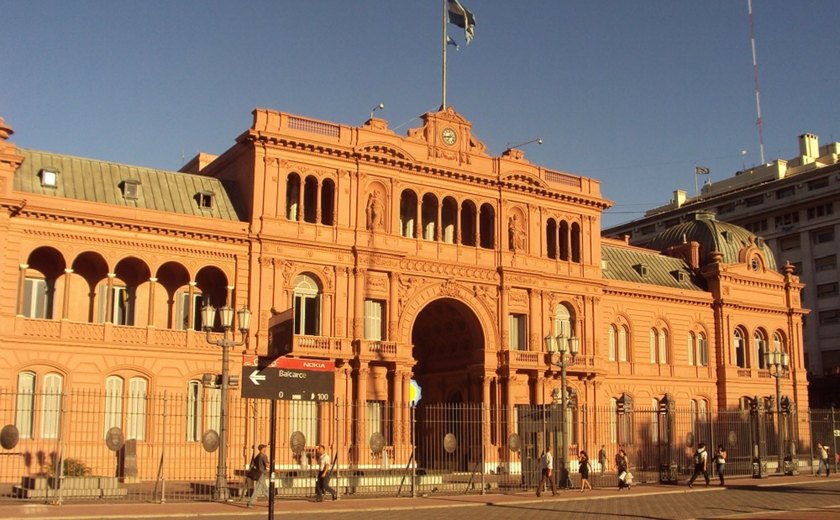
{"x": 794, "y": 205}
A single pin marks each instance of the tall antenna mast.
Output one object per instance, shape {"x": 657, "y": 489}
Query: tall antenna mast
{"x": 758, "y": 121}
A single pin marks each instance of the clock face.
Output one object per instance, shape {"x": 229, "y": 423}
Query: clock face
{"x": 448, "y": 135}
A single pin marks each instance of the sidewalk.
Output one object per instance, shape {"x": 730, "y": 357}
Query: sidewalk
{"x": 123, "y": 510}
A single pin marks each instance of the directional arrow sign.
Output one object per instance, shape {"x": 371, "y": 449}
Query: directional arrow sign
{"x": 288, "y": 379}
{"x": 256, "y": 377}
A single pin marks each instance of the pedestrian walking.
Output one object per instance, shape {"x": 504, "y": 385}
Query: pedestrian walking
{"x": 602, "y": 459}
{"x": 822, "y": 452}
{"x": 720, "y": 462}
{"x": 622, "y": 467}
{"x": 322, "y": 483}
{"x": 547, "y": 472}
{"x": 583, "y": 468}
{"x": 258, "y": 474}
{"x": 701, "y": 465}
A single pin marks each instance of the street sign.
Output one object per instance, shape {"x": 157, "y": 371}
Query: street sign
{"x": 287, "y": 379}
{"x": 281, "y": 332}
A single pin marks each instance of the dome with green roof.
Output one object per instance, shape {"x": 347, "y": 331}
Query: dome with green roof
{"x": 716, "y": 238}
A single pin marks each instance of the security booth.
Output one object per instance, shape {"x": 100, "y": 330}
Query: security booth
{"x": 539, "y": 427}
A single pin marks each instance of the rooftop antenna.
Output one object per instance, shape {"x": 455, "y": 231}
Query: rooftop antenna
{"x": 758, "y": 121}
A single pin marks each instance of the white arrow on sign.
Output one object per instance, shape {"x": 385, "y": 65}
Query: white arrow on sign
{"x": 256, "y": 377}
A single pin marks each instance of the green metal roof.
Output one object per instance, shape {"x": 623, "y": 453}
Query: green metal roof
{"x": 712, "y": 235}
{"x": 104, "y": 182}
{"x": 632, "y": 264}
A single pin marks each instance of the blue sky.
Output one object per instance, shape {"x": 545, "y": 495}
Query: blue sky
{"x": 632, "y": 93}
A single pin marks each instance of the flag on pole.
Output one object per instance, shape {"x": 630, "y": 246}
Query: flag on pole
{"x": 458, "y": 15}
{"x": 450, "y": 41}
{"x": 701, "y": 170}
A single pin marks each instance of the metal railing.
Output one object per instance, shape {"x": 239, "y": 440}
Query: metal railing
{"x": 68, "y": 447}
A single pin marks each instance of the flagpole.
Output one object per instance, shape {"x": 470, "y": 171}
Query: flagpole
{"x": 443, "y": 85}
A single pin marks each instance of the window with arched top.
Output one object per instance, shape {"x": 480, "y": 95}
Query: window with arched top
{"x": 760, "y": 349}
{"x": 293, "y": 197}
{"x": 563, "y": 323}
{"x": 307, "y": 305}
{"x": 623, "y": 343}
{"x": 658, "y": 346}
{"x": 408, "y": 214}
{"x": 702, "y": 350}
{"x": 575, "y": 238}
{"x": 779, "y": 342}
{"x": 38, "y": 405}
{"x": 612, "y": 342}
{"x": 125, "y": 405}
{"x": 739, "y": 344}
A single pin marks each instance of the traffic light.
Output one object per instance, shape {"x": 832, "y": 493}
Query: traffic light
{"x": 784, "y": 404}
{"x": 619, "y": 408}
{"x": 753, "y": 406}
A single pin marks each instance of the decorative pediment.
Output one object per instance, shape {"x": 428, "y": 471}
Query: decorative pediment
{"x": 448, "y": 134}
{"x": 524, "y": 179}
{"x": 374, "y": 151}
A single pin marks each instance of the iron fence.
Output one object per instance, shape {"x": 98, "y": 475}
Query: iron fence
{"x": 87, "y": 445}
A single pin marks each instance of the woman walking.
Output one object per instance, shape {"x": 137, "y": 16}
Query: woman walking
{"x": 584, "y": 468}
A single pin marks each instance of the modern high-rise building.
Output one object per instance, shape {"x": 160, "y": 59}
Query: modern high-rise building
{"x": 793, "y": 206}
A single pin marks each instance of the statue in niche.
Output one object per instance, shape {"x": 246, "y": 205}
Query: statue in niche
{"x": 517, "y": 234}
{"x": 375, "y": 212}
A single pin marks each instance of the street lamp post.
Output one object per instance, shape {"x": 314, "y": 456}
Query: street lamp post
{"x": 208, "y": 318}
{"x": 558, "y": 346}
{"x": 778, "y": 364}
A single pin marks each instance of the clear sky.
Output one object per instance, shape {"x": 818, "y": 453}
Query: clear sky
{"x": 632, "y": 93}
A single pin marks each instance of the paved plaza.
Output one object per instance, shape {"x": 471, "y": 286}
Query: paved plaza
{"x": 803, "y": 497}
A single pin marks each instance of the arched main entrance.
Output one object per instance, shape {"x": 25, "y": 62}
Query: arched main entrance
{"x": 448, "y": 343}
{"x": 449, "y": 352}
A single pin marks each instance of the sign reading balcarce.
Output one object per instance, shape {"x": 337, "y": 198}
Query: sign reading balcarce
{"x": 288, "y": 379}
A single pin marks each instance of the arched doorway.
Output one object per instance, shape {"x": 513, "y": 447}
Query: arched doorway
{"x": 449, "y": 353}
{"x": 448, "y": 340}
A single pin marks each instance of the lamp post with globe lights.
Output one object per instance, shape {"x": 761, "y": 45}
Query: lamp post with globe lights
{"x": 558, "y": 347}
{"x": 208, "y": 318}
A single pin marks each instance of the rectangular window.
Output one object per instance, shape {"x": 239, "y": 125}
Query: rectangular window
{"x": 51, "y": 406}
{"x": 212, "y": 407}
{"x": 785, "y": 222}
{"x": 136, "y": 408}
{"x": 25, "y": 409}
{"x": 518, "y": 332}
{"x": 822, "y": 236}
{"x": 817, "y": 184}
{"x": 374, "y": 322}
{"x": 113, "y": 403}
{"x": 754, "y": 201}
{"x": 375, "y": 418}
{"x": 184, "y": 310}
{"x": 823, "y": 210}
{"x": 789, "y": 242}
{"x": 193, "y": 418}
{"x": 122, "y": 312}
{"x": 829, "y": 317}
{"x": 825, "y": 263}
{"x": 827, "y": 290}
{"x": 307, "y": 314}
{"x": 783, "y": 193}
{"x": 691, "y": 349}
{"x": 623, "y": 353}
{"x": 36, "y": 299}
{"x": 726, "y": 208}
{"x": 797, "y": 268}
